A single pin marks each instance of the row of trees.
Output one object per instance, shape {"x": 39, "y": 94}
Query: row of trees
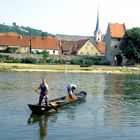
{"x": 130, "y": 45}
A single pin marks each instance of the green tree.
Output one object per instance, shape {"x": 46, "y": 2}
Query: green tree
{"x": 45, "y": 54}
{"x": 130, "y": 45}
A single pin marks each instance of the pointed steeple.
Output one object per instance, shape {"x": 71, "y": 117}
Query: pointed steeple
{"x": 97, "y": 23}
{"x": 97, "y": 32}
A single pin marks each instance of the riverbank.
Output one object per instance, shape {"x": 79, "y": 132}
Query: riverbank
{"x": 14, "y": 67}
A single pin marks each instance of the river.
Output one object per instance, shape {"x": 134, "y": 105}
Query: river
{"x": 111, "y": 110}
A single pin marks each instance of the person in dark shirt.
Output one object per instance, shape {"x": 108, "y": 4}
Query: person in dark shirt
{"x": 43, "y": 90}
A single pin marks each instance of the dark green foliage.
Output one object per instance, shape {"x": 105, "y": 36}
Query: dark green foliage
{"x": 11, "y": 50}
{"x": 16, "y": 60}
{"x": 83, "y": 61}
{"x": 45, "y": 54}
{"x": 130, "y": 45}
{"x": 29, "y": 60}
{"x": 59, "y": 61}
{"x": 3, "y": 58}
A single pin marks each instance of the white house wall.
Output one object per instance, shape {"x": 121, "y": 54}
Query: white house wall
{"x": 51, "y": 52}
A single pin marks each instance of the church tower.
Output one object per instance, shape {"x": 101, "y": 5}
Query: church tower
{"x": 97, "y": 32}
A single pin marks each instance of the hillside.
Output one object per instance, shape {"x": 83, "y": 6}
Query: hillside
{"x": 25, "y": 31}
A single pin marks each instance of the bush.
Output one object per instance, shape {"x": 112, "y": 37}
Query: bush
{"x": 76, "y": 61}
{"x": 29, "y": 60}
{"x": 11, "y": 50}
{"x": 45, "y": 54}
{"x": 16, "y": 60}
{"x": 58, "y": 61}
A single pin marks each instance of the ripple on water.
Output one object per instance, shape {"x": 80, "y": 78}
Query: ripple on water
{"x": 111, "y": 110}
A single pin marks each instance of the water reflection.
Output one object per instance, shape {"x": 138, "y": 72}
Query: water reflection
{"x": 42, "y": 121}
{"x": 121, "y": 99}
{"x": 71, "y": 114}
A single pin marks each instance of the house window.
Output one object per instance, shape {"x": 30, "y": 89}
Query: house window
{"x": 115, "y": 46}
{"x": 87, "y": 53}
{"x": 53, "y": 52}
{"x": 119, "y": 39}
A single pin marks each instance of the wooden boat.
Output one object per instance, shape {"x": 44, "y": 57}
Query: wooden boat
{"x": 56, "y": 103}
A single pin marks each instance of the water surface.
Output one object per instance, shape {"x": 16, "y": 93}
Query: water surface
{"x": 111, "y": 110}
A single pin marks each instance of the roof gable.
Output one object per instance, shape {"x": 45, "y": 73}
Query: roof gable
{"x": 81, "y": 43}
{"x": 66, "y": 46}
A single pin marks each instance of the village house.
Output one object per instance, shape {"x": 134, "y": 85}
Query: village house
{"x": 14, "y": 42}
{"x": 114, "y": 35}
{"x": 86, "y": 47}
{"x": 25, "y": 44}
{"x": 66, "y": 46}
{"x": 50, "y": 44}
{"x": 82, "y": 45}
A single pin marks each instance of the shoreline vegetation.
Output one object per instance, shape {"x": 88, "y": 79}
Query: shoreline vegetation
{"x": 17, "y": 67}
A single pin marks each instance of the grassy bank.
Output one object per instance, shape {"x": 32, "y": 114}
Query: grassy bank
{"x": 67, "y": 68}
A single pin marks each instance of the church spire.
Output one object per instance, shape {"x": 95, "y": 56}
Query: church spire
{"x": 97, "y": 32}
{"x": 97, "y": 23}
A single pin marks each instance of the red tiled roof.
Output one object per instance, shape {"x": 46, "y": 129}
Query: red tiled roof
{"x": 51, "y": 43}
{"x": 117, "y": 30}
{"x": 9, "y": 34}
{"x": 66, "y": 46}
{"x": 37, "y": 43}
{"x": 48, "y": 43}
{"x": 14, "y": 41}
{"x": 101, "y": 47}
{"x": 80, "y": 43}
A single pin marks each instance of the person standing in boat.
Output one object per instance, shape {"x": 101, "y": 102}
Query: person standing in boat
{"x": 43, "y": 90}
{"x": 71, "y": 88}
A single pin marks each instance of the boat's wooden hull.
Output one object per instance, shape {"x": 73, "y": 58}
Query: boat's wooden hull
{"x": 56, "y": 103}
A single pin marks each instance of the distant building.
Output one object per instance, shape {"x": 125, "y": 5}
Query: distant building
{"x": 14, "y": 41}
{"x": 26, "y": 44}
{"x": 49, "y": 44}
{"x": 86, "y": 48}
{"x": 71, "y": 37}
{"x": 114, "y": 35}
{"x": 66, "y": 46}
{"x": 83, "y": 45}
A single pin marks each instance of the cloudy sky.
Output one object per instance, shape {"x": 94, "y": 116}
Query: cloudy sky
{"x": 74, "y": 17}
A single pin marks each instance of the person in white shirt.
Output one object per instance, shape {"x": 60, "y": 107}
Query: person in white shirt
{"x": 71, "y": 88}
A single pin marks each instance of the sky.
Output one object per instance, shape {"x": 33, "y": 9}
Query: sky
{"x": 72, "y": 17}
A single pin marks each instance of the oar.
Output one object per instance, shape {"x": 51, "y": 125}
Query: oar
{"x": 49, "y": 103}
{"x": 53, "y": 106}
